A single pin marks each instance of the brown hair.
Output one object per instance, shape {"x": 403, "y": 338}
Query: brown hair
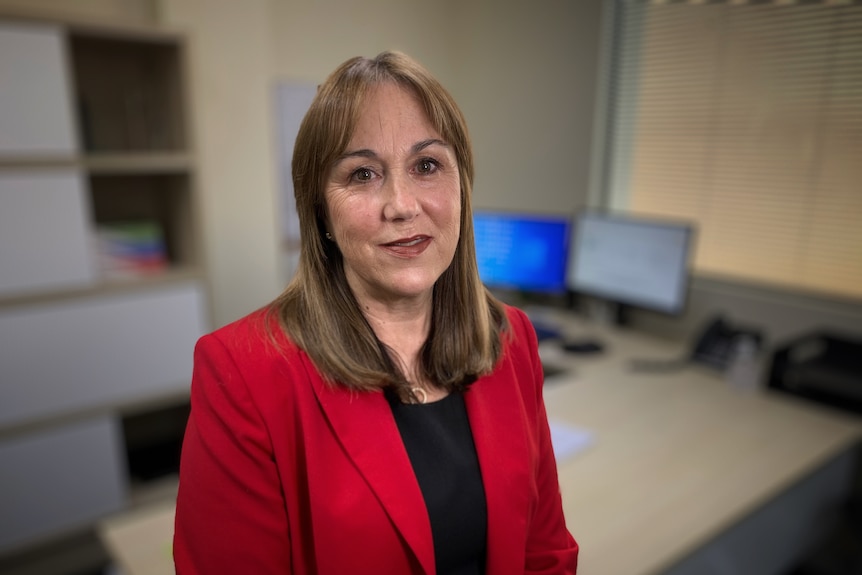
{"x": 318, "y": 310}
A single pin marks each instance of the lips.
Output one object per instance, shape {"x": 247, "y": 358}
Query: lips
{"x": 407, "y": 242}
{"x": 411, "y": 246}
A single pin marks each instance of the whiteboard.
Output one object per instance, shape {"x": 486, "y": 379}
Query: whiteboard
{"x": 292, "y": 100}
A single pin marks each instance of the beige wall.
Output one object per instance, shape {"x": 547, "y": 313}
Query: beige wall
{"x": 527, "y": 84}
{"x": 230, "y": 69}
{"x": 309, "y": 39}
{"x": 125, "y": 11}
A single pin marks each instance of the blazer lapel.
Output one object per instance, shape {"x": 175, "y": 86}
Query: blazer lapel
{"x": 496, "y": 414}
{"x": 364, "y": 425}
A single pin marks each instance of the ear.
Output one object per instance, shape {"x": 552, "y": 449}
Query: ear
{"x": 324, "y": 229}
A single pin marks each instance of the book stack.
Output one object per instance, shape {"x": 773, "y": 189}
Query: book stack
{"x": 131, "y": 249}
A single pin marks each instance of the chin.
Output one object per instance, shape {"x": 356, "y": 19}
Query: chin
{"x": 413, "y": 287}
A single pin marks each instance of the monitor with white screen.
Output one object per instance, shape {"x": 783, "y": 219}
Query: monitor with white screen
{"x": 630, "y": 260}
{"x": 522, "y": 252}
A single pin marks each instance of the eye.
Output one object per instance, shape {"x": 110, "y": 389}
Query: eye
{"x": 362, "y": 175}
{"x": 427, "y": 166}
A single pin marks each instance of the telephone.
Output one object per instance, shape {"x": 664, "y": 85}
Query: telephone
{"x": 716, "y": 343}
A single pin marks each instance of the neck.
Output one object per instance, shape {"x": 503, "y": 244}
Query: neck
{"x": 398, "y": 319}
{"x": 403, "y": 332}
{"x": 403, "y": 329}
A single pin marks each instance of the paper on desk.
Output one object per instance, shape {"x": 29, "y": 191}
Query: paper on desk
{"x": 568, "y": 440}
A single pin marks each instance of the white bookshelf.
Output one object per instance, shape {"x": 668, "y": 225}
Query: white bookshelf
{"x": 93, "y": 132}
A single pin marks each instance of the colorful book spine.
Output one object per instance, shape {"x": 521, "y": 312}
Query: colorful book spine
{"x": 131, "y": 249}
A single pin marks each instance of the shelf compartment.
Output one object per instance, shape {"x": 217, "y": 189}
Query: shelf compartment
{"x": 160, "y": 199}
{"x": 153, "y": 439}
{"x": 129, "y": 93}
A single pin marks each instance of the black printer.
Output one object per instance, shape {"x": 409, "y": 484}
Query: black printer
{"x": 823, "y": 367}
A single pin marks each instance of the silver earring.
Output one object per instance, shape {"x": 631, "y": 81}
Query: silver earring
{"x": 328, "y": 236}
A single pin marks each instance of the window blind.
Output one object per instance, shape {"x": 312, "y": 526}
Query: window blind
{"x": 746, "y": 118}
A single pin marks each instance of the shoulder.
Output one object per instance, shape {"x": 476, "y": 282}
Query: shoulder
{"x": 258, "y": 327}
{"x": 519, "y": 367}
{"x": 252, "y": 361}
{"x": 520, "y": 346}
{"x": 521, "y": 329}
{"x": 253, "y": 340}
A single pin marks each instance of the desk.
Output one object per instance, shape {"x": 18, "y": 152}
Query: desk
{"x": 679, "y": 459}
{"x": 141, "y": 540}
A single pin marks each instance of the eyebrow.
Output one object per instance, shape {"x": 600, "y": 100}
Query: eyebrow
{"x": 415, "y": 149}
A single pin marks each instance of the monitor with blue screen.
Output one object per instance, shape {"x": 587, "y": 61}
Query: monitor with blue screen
{"x": 522, "y": 252}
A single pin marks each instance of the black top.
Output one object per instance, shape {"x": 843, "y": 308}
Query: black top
{"x": 440, "y": 445}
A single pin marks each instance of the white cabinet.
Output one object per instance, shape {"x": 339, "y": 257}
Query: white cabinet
{"x": 59, "y": 478}
{"x": 95, "y": 352}
{"x": 35, "y": 104}
{"x": 102, "y": 289}
{"x": 45, "y": 238}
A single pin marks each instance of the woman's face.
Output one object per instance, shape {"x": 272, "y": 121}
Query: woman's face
{"x": 393, "y": 201}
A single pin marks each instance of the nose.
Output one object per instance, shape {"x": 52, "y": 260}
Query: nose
{"x": 401, "y": 201}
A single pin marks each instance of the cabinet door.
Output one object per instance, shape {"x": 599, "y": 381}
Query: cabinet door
{"x": 35, "y": 103}
{"x": 45, "y": 242}
{"x": 59, "y": 478}
{"x": 96, "y": 352}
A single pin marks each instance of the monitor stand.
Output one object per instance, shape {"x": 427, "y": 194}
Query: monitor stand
{"x": 606, "y": 312}
{"x": 602, "y": 312}
{"x": 583, "y": 346}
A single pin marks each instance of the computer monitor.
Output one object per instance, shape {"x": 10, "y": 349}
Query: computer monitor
{"x": 630, "y": 260}
{"x": 522, "y": 252}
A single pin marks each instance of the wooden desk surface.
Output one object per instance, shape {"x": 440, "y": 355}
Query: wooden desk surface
{"x": 677, "y": 457}
{"x": 141, "y": 541}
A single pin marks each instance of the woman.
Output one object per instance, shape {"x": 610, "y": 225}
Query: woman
{"x": 385, "y": 414}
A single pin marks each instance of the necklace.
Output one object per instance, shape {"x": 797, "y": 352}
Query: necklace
{"x": 419, "y": 394}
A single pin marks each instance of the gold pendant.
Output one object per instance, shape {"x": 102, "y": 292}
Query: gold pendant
{"x": 417, "y": 391}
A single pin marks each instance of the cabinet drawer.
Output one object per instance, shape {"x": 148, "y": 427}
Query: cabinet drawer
{"x": 59, "y": 479}
{"x": 45, "y": 242}
{"x": 74, "y": 355}
{"x": 35, "y": 102}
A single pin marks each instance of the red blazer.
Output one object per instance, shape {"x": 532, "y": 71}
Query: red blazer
{"x": 284, "y": 474}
